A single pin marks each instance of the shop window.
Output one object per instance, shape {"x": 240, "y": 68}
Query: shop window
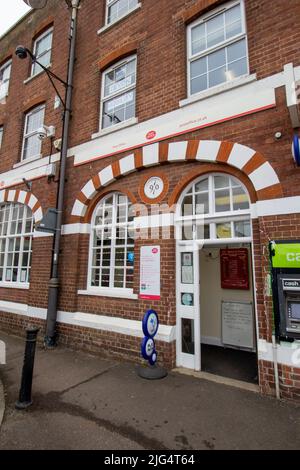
{"x": 215, "y": 207}
{"x": 42, "y": 51}
{"x": 112, "y": 245}
{"x": 31, "y": 143}
{"x": 1, "y": 136}
{"x": 16, "y": 230}
{"x": 118, "y": 93}
{"x": 5, "y": 70}
{"x": 217, "y": 48}
{"x": 116, "y": 9}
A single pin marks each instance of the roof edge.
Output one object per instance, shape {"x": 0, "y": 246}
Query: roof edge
{"x": 17, "y": 23}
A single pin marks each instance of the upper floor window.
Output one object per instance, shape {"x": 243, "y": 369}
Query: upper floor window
{"x": 1, "y": 135}
{"x": 217, "y": 48}
{"x": 31, "y": 143}
{"x": 115, "y": 9}
{"x": 5, "y": 70}
{"x": 42, "y": 51}
{"x": 16, "y": 229}
{"x": 118, "y": 93}
{"x": 112, "y": 248}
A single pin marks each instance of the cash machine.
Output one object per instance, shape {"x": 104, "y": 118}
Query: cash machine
{"x": 285, "y": 261}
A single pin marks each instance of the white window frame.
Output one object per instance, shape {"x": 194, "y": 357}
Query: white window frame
{"x": 39, "y": 38}
{"x": 1, "y": 135}
{"x": 30, "y": 134}
{"x": 212, "y": 218}
{"x": 5, "y": 84}
{"x": 110, "y": 291}
{"x": 111, "y": 2}
{"x": 118, "y": 93}
{"x": 191, "y": 58}
{"x": 22, "y": 235}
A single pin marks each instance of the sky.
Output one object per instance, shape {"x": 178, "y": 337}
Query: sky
{"x": 10, "y": 12}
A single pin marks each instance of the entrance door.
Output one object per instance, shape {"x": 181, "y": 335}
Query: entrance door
{"x": 188, "y": 306}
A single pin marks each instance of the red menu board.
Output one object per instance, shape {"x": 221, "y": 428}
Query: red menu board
{"x": 234, "y": 268}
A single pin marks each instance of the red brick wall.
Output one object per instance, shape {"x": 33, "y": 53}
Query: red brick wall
{"x": 104, "y": 343}
{"x": 289, "y": 380}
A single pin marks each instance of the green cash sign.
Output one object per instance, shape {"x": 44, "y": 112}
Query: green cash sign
{"x": 286, "y": 255}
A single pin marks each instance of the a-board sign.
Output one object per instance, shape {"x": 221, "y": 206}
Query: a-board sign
{"x": 234, "y": 268}
{"x": 238, "y": 324}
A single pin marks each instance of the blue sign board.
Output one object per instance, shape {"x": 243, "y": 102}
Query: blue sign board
{"x": 150, "y": 327}
{"x": 296, "y": 149}
{"x": 130, "y": 257}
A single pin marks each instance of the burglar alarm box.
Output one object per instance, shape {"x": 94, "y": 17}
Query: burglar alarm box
{"x": 285, "y": 259}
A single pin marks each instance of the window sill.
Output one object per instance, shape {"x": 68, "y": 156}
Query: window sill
{"x": 27, "y": 160}
{"x": 116, "y": 293}
{"x": 218, "y": 89}
{"x": 14, "y": 285}
{"x": 36, "y": 75}
{"x": 117, "y": 127}
{"x": 110, "y": 25}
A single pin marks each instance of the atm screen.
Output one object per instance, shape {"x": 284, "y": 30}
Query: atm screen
{"x": 294, "y": 309}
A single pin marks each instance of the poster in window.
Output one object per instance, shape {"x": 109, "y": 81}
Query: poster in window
{"x": 235, "y": 268}
{"x": 150, "y": 273}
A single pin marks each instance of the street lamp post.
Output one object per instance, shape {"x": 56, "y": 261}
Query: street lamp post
{"x": 50, "y": 337}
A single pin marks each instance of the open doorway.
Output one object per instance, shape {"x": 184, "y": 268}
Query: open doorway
{"x": 227, "y": 322}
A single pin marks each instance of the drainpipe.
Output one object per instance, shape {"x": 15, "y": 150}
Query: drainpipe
{"x": 50, "y": 338}
{"x": 275, "y": 362}
{"x": 274, "y": 342}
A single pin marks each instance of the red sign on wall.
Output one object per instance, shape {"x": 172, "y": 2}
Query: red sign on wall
{"x": 234, "y": 269}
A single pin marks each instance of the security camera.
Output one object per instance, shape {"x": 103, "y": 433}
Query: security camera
{"x": 45, "y": 131}
{"x": 42, "y": 133}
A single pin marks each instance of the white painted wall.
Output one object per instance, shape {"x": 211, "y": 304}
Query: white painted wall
{"x": 211, "y": 294}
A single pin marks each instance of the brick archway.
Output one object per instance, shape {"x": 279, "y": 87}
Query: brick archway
{"x": 249, "y": 162}
{"x": 23, "y": 197}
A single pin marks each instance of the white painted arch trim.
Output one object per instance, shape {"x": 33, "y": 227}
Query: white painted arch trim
{"x": 262, "y": 178}
{"x": 17, "y": 196}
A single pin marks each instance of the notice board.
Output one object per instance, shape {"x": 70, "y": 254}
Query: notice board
{"x": 150, "y": 273}
{"x": 234, "y": 268}
{"x": 238, "y": 324}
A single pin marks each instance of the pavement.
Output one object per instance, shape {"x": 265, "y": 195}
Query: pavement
{"x": 82, "y": 402}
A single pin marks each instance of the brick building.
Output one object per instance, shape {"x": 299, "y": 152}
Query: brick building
{"x": 180, "y": 141}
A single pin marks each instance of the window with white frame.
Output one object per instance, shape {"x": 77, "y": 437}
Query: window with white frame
{"x": 111, "y": 244}
{"x": 118, "y": 93}
{"x": 5, "y": 70}
{"x": 31, "y": 143}
{"x": 1, "y": 135}
{"x": 217, "y": 48}
{"x": 215, "y": 207}
{"x": 116, "y": 9}
{"x": 16, "y": 230}
{"x": 42, "y": 51}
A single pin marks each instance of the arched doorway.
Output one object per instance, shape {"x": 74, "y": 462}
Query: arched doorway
{"x": 215, "y": 298}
